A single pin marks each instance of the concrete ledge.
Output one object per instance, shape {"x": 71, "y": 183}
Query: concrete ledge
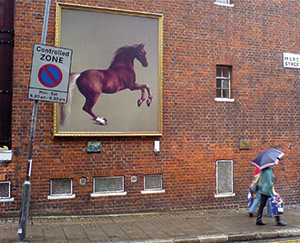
{"x": 289, "y": 232}
{"x": 213, "y": 238}
{"x": 266, "y": 235}
{"x": 242, "y": 237}
{"x": 158, "y": 241}
{"x": 189, "y": 240}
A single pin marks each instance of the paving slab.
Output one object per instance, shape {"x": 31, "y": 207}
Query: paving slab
{"x": 115, "y": 233}
{"x": 95, "y": 233}
{"x": 75, "y": 232}
{"x": 53, "y": 233}
{"x": 134, "y": 231}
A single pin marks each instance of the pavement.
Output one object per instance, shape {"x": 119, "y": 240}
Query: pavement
{"x": 222, "y": 225}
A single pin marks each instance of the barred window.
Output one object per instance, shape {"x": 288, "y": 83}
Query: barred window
{"x": 224, "y": 2}
{"x": 109, "y": 184}
{"x": 61, "y": 188}
{"x": 153, "y": 184}
{"x": 5, "y": 189}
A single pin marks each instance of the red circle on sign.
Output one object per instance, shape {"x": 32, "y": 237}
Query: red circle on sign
{"x": 50, "y": 75}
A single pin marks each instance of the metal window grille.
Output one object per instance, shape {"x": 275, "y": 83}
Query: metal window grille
{"x": 223, "y": 79}
{"x": 5, "y": 189}
{"x": 109, "y": 184}
{"x": 61, "y": 187}
{"x": 153, "y": 182}
{"x": 224, "y": 176}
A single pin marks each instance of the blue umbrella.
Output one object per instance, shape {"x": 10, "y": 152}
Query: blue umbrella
{"x": 267, "y": 158}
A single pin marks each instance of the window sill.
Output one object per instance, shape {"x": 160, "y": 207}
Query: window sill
{"x": 225, "y": 4}
{"x": 108, "y": 194}
{"x": 225, "y": 195}
{"x": 7, "y": 199}
{"x": 153, "y": 191}
{"x": 61, "y": 197}
{"x": 224, "y": 100}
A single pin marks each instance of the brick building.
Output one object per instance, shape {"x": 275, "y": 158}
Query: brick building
{"x": 226, "y": 94}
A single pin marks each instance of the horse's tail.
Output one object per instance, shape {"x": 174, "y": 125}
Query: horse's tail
{"x": 65, "y": 109}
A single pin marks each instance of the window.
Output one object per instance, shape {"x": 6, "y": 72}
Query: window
{"x": 224, "y": 2}
{"x": 224, "y": 178}
{"x": 107, "y": 186}
{"x": 5, "y": 191}
{"x": 223, "y": 82}
{"x": 153, "y": 184}
{"x": 61, "y": 189}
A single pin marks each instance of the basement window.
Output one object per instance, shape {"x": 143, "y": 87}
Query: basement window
{"x": 224, "y": 178}
{"x": 61, "y": 189}
{"x": 153, "y": 184}
{"x": 227, "y": 3}
{"x": 5, "y": 191}
{"x": 108, "y": 186}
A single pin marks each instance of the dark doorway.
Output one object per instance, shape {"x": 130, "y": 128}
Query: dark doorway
{"x": 6, "y": 64}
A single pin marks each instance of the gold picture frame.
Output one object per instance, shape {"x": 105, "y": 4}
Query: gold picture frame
{"x": 123, "y": 106}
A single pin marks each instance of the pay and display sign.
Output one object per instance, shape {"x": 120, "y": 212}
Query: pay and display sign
{"x": 50, "y": 69}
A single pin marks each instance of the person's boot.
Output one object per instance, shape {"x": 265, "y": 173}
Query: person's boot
{"x": 279, "y": 222}
{"x": 258, "y": 220}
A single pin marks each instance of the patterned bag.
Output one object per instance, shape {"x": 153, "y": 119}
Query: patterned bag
{"x": 276, "y": 205}
{"x": 250, "y": 197}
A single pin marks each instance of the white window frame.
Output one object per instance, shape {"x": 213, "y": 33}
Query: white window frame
{"x": 226, "y": 3}
{"x": 153, "y": 190}
{"x": 224, "y": 78}
{"x": 229, "y": 193}
{"x": 9, "y": 198}
{"x": 61, "y": 196}
{"x": 109, "y": 193}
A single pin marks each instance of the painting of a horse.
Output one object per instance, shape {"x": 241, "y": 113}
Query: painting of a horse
{"x": 119, "y": 76}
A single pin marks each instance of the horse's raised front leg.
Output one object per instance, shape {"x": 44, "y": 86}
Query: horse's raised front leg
{"x": 88, "y": 106}
{"x": 150, "y": 97}
{"x": 142, "y": 99}
{"x": 142, "y": 87}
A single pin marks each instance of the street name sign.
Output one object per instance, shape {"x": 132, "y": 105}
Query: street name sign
{"x": 291, "y": 60}
{"x": 50, "y": 69}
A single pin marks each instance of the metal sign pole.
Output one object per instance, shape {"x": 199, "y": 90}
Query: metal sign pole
{"x": 27, "y": 185}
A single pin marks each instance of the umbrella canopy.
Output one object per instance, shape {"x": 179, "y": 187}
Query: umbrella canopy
{"x": 267, "y": 158}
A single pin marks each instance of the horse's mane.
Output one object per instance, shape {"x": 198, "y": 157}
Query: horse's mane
{"x": 121, "y": 52}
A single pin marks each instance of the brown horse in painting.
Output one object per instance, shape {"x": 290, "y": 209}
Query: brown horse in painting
{"x": 119, "y": 76}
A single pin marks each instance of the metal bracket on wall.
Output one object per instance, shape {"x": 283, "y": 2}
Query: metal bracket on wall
{"x": 7, "y": 32}
{"x": 11, "y": 32}
{"x": 2, "y": 91}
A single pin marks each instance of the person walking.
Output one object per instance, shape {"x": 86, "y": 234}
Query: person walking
{"x": 257, "y": 182}
{"x": 267, "y": 190}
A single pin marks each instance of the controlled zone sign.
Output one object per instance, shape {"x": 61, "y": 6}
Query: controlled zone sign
{"x": 50, "y": 69}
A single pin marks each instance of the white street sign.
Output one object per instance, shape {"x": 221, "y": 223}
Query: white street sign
{"x": 291, "y": 60}
{"x": 50, "y": 69}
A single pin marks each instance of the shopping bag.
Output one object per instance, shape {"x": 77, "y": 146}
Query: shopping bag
{"x": 276, "y": 205}
{"x": 254, "y": 188}
{"x": 250, "y": 197}
{"x": 255, "y": 183}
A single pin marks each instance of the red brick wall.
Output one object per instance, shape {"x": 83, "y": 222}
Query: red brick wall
{"x": 197, "y": 131}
